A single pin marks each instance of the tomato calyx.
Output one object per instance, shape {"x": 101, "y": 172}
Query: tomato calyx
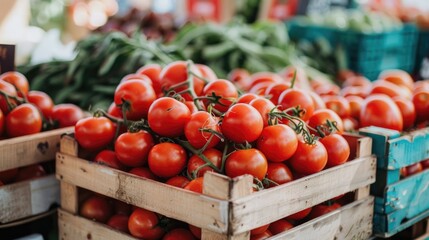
{"x": 199, "y": 153}
{"x": 326, "y": 129}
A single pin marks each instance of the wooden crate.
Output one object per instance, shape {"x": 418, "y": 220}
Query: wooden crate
{"x": 228, "y": 209}
{"x": 28, "y": 198}
{"x": 399, "y": 203}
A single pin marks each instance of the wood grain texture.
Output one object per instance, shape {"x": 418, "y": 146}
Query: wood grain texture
{"x": 72, "y": 227}
{"x": 196, "y": 209}
{"x": 353, "y": 221}
{"x": 27, "y": 198}
{"x": 31, "y": 149}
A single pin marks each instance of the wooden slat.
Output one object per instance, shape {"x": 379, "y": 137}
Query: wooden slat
{"x": 353, "y": 221}
{"x": 69, "y": 146}
{"x": 269, "y": 205}
{"x": 196, "y": 209}
{"x": 27, "y": 198}
{"x": 72, "y": 227}
{"x": 222, "y": 187}
{"x": 31, "y": 149}
{"x": 362, "y": 193}
{"x": 69, "y": 197}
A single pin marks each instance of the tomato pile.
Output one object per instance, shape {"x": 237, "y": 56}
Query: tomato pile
{"x": 24, "y": 112}
{"x": 174, "y": 124}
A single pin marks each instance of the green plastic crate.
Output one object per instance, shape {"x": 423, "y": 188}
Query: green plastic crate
{"x": 366, "y": 53}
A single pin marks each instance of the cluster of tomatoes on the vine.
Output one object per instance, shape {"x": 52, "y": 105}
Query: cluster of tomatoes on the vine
{"x": 24, "y": 112}
{"x": 175, "y": 123}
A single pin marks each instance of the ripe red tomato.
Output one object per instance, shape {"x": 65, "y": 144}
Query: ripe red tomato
{"x": 381, "y": 111}
{"x": 322, "y": 115}
{"x": 390, "y": 89}
{"x": 195, "y": 185}
{"x": 421, "y": 104}
{"x": 301, "y": 80}
{"x": 67, "y": 114}
{"x": 317, "y": 101}
{"x": 195, "y": 162}
{"x": 279, "y": 173}
{"x": 299, "y": 215}
{"x": 278, "y": 142}
{"x": 224, "y": 89}
{"x": 193, "y": 130}
{"x": 206, "y": 72}
{"x": 320, "y": 210}
{"x": 196, "y": 231}
{"x": 357, "y": 81}
{"x": 424, "y": 163}
{"x": 152, "y": 71}
{"x": 234, "y": 128}
{"x": 42, "y": 101}
{"x": 412, "y": 169}
{"x": 132, "y": 149}
{"x": 247, "y": 161}
{"x": 292, "y": 98}
{"x": 2, "y": 123}
{"x": 178, "y": 181}
{"x": 327, "y": 89}
{"x": 262, "y": 77}
{"x": 280, "y": 226}
{"x": 398, "y": 77}
{"x": 259, "y": 230}
{"x": 168, "y": 117}
{"x": 135, "y": 76}
{"x": 309, "y": 159}
{"x": 30, "y": 172}
{"x": 119, "y": 222}
{"x": 138, "y": 94}
{"x": 96, "y": 208}
{"x": 144, "y": 172}
{"x": 407, "y": 109}
{"x": 338, "y": 104}
{"x": 261, "y": 236}
{"x": 240, "y": 77}
{"x": 9, "y": 175}
{"x": 274, "y": 90}
{"x": 192, "y": 107}
{"x": 8, "y": 89}
{"x": 108, "y": 158}
{"x": 23, "y": 120}
{"x": 175, "y": 73}
{"x": 167, "y": 159}
{"x": 94, "y": 132}
{"x": 121, "y": 207}
{"x": 179, "y": 234}
{"x": 18, "y": 80}
{"x": 247, "y": 98}
{"x": 338, "y": 149}
{"x": 350, "y": 124}
{"x": 260, "y": 88}
{"x": 145, "y": 224}
{"x": 264, "y": 107}
{"x": 355, "y": 103}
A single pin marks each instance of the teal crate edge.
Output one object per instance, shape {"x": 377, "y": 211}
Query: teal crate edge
{"x": 380, "y": 230}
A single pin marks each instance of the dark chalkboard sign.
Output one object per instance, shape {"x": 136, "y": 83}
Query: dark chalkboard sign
{"x": 7, "y": 58}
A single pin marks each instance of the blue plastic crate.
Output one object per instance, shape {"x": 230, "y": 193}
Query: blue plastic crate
{"x": 422, "y": 52}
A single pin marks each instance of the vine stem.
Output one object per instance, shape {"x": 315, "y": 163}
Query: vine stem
{"x": 188, "y": 146}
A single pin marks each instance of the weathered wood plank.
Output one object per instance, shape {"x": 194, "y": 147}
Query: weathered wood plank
{"x": 272, "y": 204}
{"x": 31, "y": 149}
{"x": 353, "y": 221}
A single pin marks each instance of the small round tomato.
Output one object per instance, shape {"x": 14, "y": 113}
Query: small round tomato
{"x": 196, "y": 231}
{"x": 108, "y": 158}
{"x": 178, "y": 181}
{"x": 278, "y": 142}
{"x": 355, "y": 91}
{"x": 135, "y": 76}
{"x": 264, "y": 107}
{"x": 152, "y": 71}
{"x": 23, "y": 120}
{"x": 179, "y": 234}
{"x": 355, "y": 103}
{"x": 320, "y": 117}
{"x": 194, "y": 130}
{"x": 350, "y": 124}
{"x": 119, "y": 222}
{"x": 94, "y": 132}
{"x": 145, "y": 224}
{"x": 280, "y": 226}
{"x": 8, "y": 176}
{"x": 259, "y": 230}
{"x": 240, "y": 77}
{"x": 139, "y": 96}
{"x": 317, "y": 101}
{"x": 261, "y": 236}
{"x": 357, "y": 81}
{"x": 247, "y": 98}
{"x": 274, "y": 90}
{"x": 320, "y": 210}
{"x": 292, "y": 98}
{"x": 389, "y": 89}
{"x": 143, "y": 172}
{"x": 236, "y": 129}
{"x": 168, "y": 117}
{"x": 223, "y": 89}
{"x": 327, "y": 89}
{"x": 195, "y": 163}
{"x": 262, "y": 77}
{"x": 96, "y": 208}
{"x": 309, "y": 158}
{"x": 338, "y": 104}
{"x": 338, "y": 149}
{"x": 299, "y": 215}
{"x": 301, "y": 78}
{"x": 42, "y": 101}
{"x": 407, "y": 109}
{"x": 30, "y": 172}
{"x": 18, "y": 80}
{"x": 279, "y": 173}
{"x": 67, "y": 114}
{"x": 398, "y": 77}
{"x": 247, "y": 161}
{"x": 412, "y": 169}
{"x": 192, "y": 107}
{"x": 132, "y": 149}
{"x": 381, "y": 111}
{"x": 120, "y": 207}
{"x": 195, "y": 185}
{"x": 421, "y": 104}
{"x": 10, "y": 90}
{"x": 167, "y": 159}
{"x": 260, "y": 88}
{"x": 207, "y": 72}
